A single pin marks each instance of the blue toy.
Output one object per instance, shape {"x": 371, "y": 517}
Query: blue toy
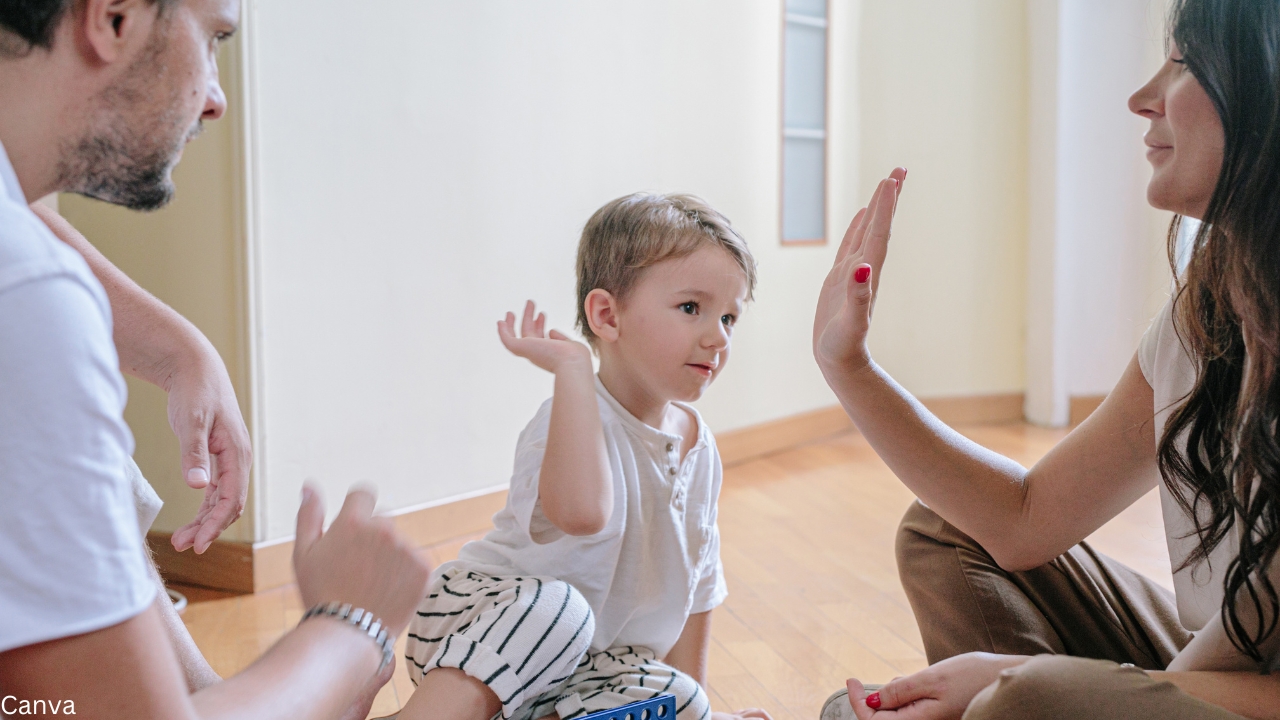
{"x": 662, "y": 707}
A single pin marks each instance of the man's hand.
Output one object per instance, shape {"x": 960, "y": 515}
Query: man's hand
{"x": 158, "y": 345}
{"x": 939, "y": 692}
{"x": 549, "y": 351}
{"x": 205, "y": 416}
{"x": 360, "y": 559}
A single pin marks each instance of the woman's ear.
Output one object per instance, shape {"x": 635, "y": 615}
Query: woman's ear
{"x": 602, "y": 314}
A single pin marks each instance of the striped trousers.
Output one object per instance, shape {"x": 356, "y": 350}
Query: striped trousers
{"x": 527, "y": 639}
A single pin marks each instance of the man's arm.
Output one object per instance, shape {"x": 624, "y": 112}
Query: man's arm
{"x": 158, "y": 345}
{"x": 129, "y": 671}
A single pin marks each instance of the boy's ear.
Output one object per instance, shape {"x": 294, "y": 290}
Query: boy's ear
{"x": 602, "y": 314}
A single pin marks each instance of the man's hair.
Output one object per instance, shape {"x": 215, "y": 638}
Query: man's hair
{"x": 637, "y": 231}
{"x": 27, "y": 24}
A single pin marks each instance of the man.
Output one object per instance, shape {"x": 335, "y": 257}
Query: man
{"x": 99, "y": 97}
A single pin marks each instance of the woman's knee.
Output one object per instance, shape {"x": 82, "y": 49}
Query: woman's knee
{"x": 1050, "y": 687}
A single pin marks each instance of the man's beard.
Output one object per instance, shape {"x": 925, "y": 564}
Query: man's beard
{"x": 124, "y": 167}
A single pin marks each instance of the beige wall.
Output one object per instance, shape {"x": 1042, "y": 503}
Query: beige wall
{"x": 189, "y": 255}
{"x": 944, "y": 92}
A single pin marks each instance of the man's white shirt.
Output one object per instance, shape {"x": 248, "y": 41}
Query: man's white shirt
{"x": 71, "y": 556}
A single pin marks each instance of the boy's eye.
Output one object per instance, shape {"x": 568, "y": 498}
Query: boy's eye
{"x": 728, "y": 320}
{"x": 690, "y": 308}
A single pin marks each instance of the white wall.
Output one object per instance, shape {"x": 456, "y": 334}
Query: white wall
{"x": 1096, "y": 268}
{"x": 420, "y": 172}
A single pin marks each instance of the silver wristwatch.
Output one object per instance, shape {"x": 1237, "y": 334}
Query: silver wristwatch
{"x": 362, "y": 620}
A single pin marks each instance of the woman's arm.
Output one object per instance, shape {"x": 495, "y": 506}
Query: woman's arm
{"x": 575, "y": 484}
{"x": 1249, "y": 694}
{"x": 1024, "y": 518}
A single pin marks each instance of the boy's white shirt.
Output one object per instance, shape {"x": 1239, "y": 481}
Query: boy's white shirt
{"x": 658, "y": 559}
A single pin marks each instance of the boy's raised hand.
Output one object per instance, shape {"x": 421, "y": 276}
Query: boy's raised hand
{"x": 549, "y": 351}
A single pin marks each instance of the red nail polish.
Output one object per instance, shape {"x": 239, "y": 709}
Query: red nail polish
{"x": 861, "y": 274}
{"x": 873, "y": 701}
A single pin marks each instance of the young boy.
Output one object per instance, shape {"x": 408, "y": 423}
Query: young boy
{"x": 596, "y": 586}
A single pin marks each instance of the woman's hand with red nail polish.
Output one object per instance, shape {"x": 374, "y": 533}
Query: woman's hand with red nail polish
{"x": 844, "y": 306}
{"x": 939, "y": 692}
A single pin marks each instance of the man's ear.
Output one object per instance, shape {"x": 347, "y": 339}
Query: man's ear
{"x": 110, "y": 30}
{"x": 602, "y": 314}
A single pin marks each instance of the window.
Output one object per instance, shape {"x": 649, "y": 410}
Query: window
{"x": 804, "y": 121}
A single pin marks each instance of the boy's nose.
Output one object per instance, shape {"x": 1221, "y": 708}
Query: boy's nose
{"x": 718, "y": 338}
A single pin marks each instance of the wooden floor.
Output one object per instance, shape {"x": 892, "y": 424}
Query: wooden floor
{"x": 814, "y": 596}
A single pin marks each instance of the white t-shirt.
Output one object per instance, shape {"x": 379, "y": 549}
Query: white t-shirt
{"x": 1171, "y": 373}
{"x": 71, "y": 557}
{"x": 658, "y": 559}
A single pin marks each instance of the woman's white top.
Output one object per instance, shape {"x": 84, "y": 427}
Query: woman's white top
{"x": 658, "y": 559}
{"x": 1172, "y": 374}
{"x": 71, "y": 555}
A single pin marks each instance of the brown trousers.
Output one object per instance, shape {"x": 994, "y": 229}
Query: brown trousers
{"x": 1091, "y": 611}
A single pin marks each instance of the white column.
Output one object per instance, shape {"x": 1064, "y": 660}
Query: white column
{"x": 1090, "y": 242}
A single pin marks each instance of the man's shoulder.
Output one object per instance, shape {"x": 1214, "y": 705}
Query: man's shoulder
{"x": 29, "y": 251}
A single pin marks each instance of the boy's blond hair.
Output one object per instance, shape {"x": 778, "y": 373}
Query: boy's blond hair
{"x": 637, "y": 231}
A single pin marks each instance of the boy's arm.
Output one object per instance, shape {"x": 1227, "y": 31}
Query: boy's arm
{"x": 689, "y": 654}
{"x": 575, "y": 485}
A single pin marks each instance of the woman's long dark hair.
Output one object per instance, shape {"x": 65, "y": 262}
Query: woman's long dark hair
{"x": 1227, "y": 313}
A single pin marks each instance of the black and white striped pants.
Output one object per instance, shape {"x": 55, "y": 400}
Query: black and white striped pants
{"x": 528, "y": 638}
{"x": 521, "y": 636}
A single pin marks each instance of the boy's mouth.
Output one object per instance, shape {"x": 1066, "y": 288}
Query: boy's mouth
{"x": 704, "y": 369}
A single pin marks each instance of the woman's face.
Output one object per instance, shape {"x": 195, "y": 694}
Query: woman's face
{"x": 1184, "y": 144}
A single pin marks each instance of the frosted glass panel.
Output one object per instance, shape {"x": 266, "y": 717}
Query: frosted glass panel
{"x": 805, "y": 77}
{"x": 812, "y": 8}
{"x": 803, "y": 189}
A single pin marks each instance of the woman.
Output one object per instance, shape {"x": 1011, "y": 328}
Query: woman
{"x": 1021, "y": 619}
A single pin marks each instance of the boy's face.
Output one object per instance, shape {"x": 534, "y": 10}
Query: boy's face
{"x": 675, "y": 326}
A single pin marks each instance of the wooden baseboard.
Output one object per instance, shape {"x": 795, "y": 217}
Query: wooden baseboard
{"x": 245, "y": 567}
{"x": 978, "y": 409}
{"x": 749, "y": 443}
{"x": 757, "y": 441}
{"x": 255, "y": 567}
{"x": 1082, "y": 406}
{"x": 225, "y": 565}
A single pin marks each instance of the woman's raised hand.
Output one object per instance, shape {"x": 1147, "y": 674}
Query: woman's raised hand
{"x": 548, "y": 351}
{"x": 849, "y": 293}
